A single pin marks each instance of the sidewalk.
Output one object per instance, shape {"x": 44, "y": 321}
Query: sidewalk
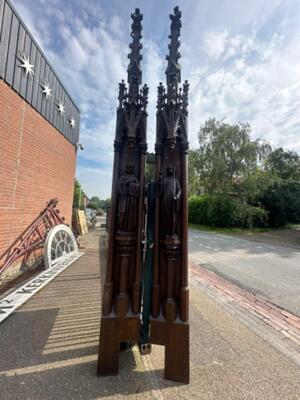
{"x": 48, "y": 349}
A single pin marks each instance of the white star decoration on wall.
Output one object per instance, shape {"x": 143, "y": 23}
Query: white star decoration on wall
{"x": 60, "y": 107}
{"x": 28, "y": 68}
{"x": 72, "y": 122}
{"x": 46, "y": 90}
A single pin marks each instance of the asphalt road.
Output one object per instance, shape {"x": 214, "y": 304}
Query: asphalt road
{"x": 267, "y": 270}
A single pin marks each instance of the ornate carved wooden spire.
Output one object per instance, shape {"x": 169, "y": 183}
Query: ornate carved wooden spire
{"x": 173, "y": 71}
{"x": 170, "y": 266}
{"x": 172, "y": 103}
{"x": 133, "y": 94}
{"x": 134, "y": 68}
{"x": 133, "y": 100}
{"x": 122, "y": 289}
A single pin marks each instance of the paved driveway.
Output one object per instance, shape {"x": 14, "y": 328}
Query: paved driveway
{"x": 268, "y": 270}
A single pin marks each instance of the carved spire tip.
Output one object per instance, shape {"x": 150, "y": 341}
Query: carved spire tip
{"x": 134, "y": 69}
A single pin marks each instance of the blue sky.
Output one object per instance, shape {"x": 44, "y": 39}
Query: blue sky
{"x": 242, "y": 60}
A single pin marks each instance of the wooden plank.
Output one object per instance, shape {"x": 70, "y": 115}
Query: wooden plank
{"x": 5, "y": 34}
{"x": 12, "y": 48}
{"x": 83, "y": 229}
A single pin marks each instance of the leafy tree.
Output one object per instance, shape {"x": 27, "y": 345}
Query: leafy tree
{"x": 195, "y": 187}
{"x": 78, "y": 195}
{"x": 105, "y": 204}
{"x": 282, "y": 200}
{"x": 95, "y": 203}
{"x": 284, "y": 164}
{"x": 227, "y": 155}
{"x": 236, "y": 181}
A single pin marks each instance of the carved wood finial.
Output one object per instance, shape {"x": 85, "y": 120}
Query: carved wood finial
{"x": 173, "y": 71}
{"x": 134, "y": 68}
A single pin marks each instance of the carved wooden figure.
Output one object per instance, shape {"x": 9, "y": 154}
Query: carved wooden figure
{"x": 120, "y": 320}
{"x": 169, "y": 325}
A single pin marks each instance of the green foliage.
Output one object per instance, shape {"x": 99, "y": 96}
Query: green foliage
{"x": 96, "y": 203}
{"x": 105, "y": 204}
{"x": 78, "y": 195}
{"x": 247, "y": 216}
{"x": 226, "y": 156}
{"x": 93, "y": 205}
{"x": 198, "y": 210}
{"x": 194, "y": 173}
{"x": 282, "y": 200}
{"x": 210, "y": 210}
{"x": 255, "y": 184}
{"x": 283, "y": 164}
{"x": 238, "y": 182}
{"x": 222, "y": 211}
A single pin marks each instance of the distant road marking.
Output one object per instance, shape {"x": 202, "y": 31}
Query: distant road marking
{"x": 15, "y": 299}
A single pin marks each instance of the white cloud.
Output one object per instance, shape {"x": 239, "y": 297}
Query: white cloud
{"x": 242, "y": 60}
{"x": 215, "y": 43}
{"x": 254, "y": 80}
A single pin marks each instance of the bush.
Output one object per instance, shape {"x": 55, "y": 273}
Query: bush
{"x": 198, "y": 210}
{"x": 210, "y": 210}
{"x": 222, "y": 211}
{"x": 282, "y": 201}
{"x": 247, "y": 216}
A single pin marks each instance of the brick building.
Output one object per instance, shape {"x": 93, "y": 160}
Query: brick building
{"x": 39, "y": 131}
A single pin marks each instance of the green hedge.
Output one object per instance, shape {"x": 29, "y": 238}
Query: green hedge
{"x": 198, "y": 210}
{"x": 282, "y": 200}
{"x": 222, "y": 211}
{"x": 247, "y": 216}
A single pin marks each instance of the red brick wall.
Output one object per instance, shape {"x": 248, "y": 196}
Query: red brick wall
{"x": 37, "y": 163}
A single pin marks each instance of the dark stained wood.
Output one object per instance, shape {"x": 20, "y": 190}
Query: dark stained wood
{"x": 121, "y": 298}
{"x": 169, "y": 323}
{"x": 113, "y": 332}
{"x": 175, "y": 338}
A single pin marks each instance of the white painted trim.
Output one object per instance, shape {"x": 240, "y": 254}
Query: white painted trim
{"x": 48, "y": 242}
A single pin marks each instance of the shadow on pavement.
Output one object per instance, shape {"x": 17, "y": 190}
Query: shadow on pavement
{"x": 49, "y": 348}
